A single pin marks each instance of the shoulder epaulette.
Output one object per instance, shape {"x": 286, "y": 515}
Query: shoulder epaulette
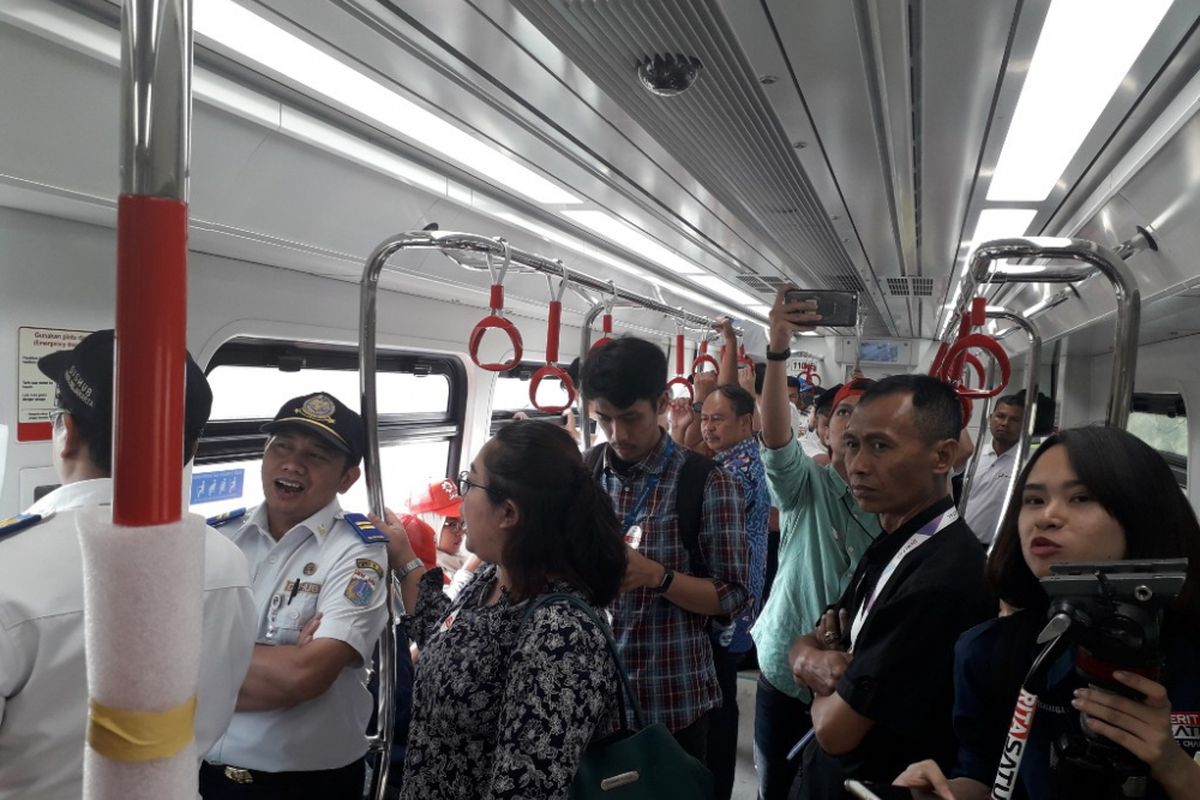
{"x": 21, "y": 522}
{"x": 225, "y": 517}
{"x": 365, "y": 529}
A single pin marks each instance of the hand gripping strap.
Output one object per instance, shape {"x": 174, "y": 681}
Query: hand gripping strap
{"x": 551, "y": 371}
{"x": 682, "y": 381}
{"x": 978, "y": 341}
{"x": 514, "y": 338}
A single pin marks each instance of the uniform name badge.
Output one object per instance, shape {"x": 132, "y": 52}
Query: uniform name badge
{"x": 633, "y": 536}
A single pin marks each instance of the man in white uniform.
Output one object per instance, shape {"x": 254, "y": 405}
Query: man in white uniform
{"x": 43, "y": 681}
{"x": 300, "y": 727}
{"x": 996, "y": 465}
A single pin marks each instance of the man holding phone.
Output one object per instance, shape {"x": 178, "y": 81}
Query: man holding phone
{"x": 823, "y": 533}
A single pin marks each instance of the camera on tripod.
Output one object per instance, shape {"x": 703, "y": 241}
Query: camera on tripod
{"x": 1112, "y": 613}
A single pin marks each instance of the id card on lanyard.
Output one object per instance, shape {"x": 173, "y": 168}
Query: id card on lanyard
{"x": 927, "y": 532}
{"x": 633, "y": 530}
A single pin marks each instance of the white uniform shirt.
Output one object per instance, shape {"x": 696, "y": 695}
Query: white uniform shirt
{"x": 987, "y": 491}
{"x": 43, "y": 679}
{"x": 810, "y": 443}
{"x": 340, "y": 576}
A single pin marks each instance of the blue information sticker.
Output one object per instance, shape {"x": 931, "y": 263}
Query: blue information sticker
{"x": 209, "y": 487}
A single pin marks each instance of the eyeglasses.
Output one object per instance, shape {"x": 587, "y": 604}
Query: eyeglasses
{"x": 56, "y": 415}
{"x": 453, "y": 523}
{"x": 465, "y": 484}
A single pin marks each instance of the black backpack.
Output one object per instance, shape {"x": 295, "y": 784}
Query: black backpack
{"x": 689, "y": 499}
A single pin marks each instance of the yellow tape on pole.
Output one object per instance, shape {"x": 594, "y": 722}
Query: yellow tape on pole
{"x": 123, "y": 735}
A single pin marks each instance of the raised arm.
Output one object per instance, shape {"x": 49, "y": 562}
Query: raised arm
{"x": 786, "y": 319}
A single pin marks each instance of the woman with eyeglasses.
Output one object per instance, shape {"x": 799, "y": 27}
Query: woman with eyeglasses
{"x": 1088, "y": 495}
{"x": 504, "y": 701}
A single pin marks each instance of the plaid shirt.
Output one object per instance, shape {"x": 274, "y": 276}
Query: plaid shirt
{"x": 666, "y": 650}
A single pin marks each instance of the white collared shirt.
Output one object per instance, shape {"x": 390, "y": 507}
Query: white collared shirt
{"x": 988, "y": 489}
{"x": 43, "y": 679}
{"x": 340, "y": 576}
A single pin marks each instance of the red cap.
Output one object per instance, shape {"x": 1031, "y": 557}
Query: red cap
{"x": 854, "y": 388}
{"x": 440, "y": 497}
{"x": 421, "y": 537}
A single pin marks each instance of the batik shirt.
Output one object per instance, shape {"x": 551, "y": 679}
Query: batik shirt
{"x": 744, "y": 463}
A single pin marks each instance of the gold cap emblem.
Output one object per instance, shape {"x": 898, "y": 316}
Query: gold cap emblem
{"x": 319, "y": 407}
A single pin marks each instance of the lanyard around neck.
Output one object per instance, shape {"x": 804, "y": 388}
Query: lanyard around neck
{"x": 926, "y": 532}
{"x": 648, "y": 488}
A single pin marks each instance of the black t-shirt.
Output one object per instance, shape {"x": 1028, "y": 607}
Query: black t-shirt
{"x": 901, "y": 675}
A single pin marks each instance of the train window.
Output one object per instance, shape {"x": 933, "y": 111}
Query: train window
{"x": 422, "y": 402}
{"x": 1160, "y": 420}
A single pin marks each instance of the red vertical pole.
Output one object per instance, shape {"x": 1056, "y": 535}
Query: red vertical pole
{"x": 152, "y": 223}
{"x": 151, "y": 336}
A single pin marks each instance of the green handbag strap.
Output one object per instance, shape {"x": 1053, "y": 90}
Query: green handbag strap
{"x": 626, "y": 689}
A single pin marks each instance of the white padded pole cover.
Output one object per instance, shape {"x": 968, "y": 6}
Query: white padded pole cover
{"x": 143, "y": 602}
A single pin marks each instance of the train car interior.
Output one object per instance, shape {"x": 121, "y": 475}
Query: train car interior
{"x": 658, "y": 164}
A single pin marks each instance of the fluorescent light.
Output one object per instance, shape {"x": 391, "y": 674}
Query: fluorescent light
{"x": 1085, "y": 50}
{"x": 270, "y": 46}
{"x": 809, "y": 333}
{"x": 630, "y": 237}
{"x": 1001, "y": 223}
{"x": 723, "y": 289}
{"x": 760, "y": 308}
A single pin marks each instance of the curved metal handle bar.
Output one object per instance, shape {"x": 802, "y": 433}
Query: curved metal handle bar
{"x": 1033, "y": 363}
{"x": 585, "y": 345}
{"x": 449, "y": 242}
{"x": 381, "y": 741}
{"x": 1110, "y": 264}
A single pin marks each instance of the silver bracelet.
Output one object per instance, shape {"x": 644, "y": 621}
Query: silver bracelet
{"x": 409, "y": 568}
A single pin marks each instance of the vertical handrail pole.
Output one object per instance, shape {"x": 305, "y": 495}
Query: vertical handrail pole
{"x": 385, "y": 703}
{"x": 152, "y": 226}
{"x": 1028, "y": 419}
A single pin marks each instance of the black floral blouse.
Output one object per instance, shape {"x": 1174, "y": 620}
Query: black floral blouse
{"x": 502, "y": 707}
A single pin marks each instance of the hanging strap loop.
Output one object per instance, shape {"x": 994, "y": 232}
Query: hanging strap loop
{"x": 551, "y": 369}
{"x": 703, "y": 357}
{"x": 606, "y": 322}
{"x": 496, "y": 320}
{"x": 679, "y": 379}
{"x": 957, "y": 354}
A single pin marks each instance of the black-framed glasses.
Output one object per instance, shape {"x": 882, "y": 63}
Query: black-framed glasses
{"x": 465, "y": 484}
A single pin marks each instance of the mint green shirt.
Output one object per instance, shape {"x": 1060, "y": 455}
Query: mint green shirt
{"x": 823, "y": 534}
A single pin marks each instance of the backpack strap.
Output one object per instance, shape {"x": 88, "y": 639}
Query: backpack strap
{"x": 689, "y": 506}
{"x": 593, "y": 459}
{"x": 626, "y": 691}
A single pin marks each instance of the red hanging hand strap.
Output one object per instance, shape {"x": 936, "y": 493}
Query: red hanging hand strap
{"x": 496, "y": 321}
{"x": 704, "y": 358}
{"x": 606, "y": 322}
{"x": 552, "y": 370}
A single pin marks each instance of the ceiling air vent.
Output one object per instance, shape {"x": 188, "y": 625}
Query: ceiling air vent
{"x": 910, "y": 286}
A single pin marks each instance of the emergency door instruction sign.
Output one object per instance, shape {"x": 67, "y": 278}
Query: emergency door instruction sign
{"x": 35, "y": 392}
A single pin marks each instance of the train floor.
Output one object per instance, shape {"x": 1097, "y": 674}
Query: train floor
{"x": 745, "y": 785}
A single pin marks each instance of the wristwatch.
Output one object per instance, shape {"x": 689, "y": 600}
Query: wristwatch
{"x": 665, "y": 583}
{"x": 408, "y": 568}
{"x": 782, "y": 355}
